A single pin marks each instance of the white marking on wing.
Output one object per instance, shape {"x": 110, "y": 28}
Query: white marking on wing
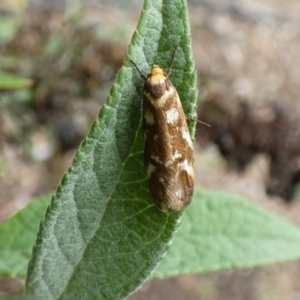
{"x": 177, "y": 155}
{"x": 156, "y": 158}
{"x": 150, "y": 169}
{"x": 172, "y": 115}
{"x": 178, "y": 193}
{"x": 187, "y": 137}
{"x": 149, "y": 118}
{"x": 185, "y": 166}
{"x": 168, "y": 163}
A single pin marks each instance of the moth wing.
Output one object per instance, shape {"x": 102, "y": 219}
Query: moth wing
{"x": 168, "y": 151}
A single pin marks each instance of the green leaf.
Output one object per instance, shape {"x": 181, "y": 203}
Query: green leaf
{"x": 218, "y": 231}
{"x": 221, "y": 231}
{"x": 10, "y": 81}
{"x": 102, "y": 235}
{"x": 16, "y": 251}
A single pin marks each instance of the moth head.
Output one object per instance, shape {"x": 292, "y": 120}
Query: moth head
{"x": 157, "y": 76}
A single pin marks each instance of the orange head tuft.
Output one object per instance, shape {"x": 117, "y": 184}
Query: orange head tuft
{"x": 156, "y": 71}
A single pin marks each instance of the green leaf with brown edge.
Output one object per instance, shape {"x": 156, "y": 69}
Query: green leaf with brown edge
{"x": 102, "y": 235}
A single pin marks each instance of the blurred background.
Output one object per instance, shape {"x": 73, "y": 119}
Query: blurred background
{"x": 58, "y": 60}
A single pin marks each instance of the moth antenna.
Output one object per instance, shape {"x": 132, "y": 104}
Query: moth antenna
{"x": 201, "y": 122}
{"x": 198, "y": 121}
{"x": 141, "y": 74}
{"x": 171, "y": 64}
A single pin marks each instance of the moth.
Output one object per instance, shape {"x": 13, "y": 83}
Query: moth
{"x": 168, "y": 147}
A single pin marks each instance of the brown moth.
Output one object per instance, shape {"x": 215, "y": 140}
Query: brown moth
{"x": 168, "y": 148}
